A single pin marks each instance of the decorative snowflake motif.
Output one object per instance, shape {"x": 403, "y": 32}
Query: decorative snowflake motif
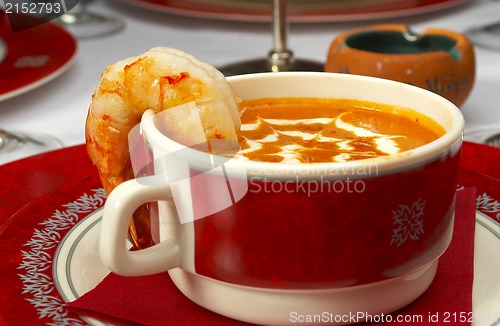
{"x": 37, "y": 278}
{"x": 409, "y": 222}
{"x": 487, "y": 204}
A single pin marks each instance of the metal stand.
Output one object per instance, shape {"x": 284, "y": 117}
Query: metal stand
{"x": 280, "y": 58}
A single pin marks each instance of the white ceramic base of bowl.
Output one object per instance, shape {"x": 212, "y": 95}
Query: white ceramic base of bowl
{"x": 339, "y": 306}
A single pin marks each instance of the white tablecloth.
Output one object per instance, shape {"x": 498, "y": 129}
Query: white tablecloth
{"x": 59, "y": 107}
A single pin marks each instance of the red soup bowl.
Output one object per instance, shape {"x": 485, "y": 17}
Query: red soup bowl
{"x": 271, "y": 243}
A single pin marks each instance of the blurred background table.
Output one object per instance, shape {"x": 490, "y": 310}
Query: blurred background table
{"x": 59, "y": 107}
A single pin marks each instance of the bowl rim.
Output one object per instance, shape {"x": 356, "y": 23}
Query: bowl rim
{"x": 446, "y": 145}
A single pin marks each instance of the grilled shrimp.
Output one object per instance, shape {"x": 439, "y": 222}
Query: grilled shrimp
{"x": 158, "y": 79}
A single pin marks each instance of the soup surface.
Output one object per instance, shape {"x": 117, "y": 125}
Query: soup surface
{"x": 309, "y": 130}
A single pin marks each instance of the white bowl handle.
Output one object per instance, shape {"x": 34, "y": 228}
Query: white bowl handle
{"x": 118, "y": 210}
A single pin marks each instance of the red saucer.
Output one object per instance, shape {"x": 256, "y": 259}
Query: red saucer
{"x": 32, "y": 57}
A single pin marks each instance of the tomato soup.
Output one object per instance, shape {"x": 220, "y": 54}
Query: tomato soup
{"x": 309, "y": 130}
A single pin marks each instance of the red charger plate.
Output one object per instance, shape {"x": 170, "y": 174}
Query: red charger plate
{"x": 303, "y": 11}
{"x": 62, "y": 190}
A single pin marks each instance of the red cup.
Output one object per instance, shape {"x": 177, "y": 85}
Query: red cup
{"x": 266, "y": 242}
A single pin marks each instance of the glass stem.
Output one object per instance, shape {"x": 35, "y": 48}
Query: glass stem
{"x": 280, "y": 56}
{"x": 74, "y": 14}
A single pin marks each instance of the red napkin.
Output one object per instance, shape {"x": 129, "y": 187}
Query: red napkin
{"x": 154, "y": 300}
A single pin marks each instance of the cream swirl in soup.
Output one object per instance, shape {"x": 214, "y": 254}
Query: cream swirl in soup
{"x": 309, "y": 130}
